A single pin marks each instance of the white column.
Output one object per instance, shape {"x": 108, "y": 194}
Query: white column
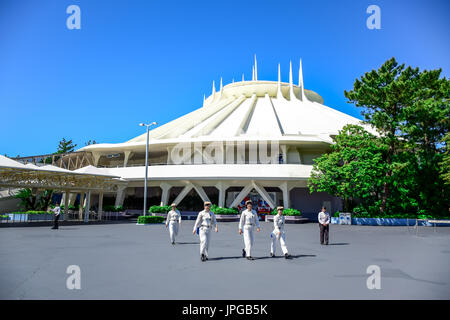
{"x": 66, "y": 205}
{"x": 284, "y": 188}
{"x": 88, "y": 206}
{"x": 100, "y": 205}
{"x": 183, "y": 193}
{"x": 263, "y": 193}
{"x": 242, "y": 195}
{"x": 201, "y": 192}
{"x": 127, "y": 157}
{"x": 165, "y": 187}
{"x": 222, "y": 187}
{"x": 120, "y": 196}
{"x": 72, "y": 197}
{"x": 80, "y": 210}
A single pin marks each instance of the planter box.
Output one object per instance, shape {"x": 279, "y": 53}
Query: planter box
{"x": 288, "y": 219}
{"x": 228, "y": 217}
{"x": 42, "y": 217}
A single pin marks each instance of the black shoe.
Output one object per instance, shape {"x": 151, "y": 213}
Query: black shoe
{"x": 250, "y": 258}
{"x": 326, "y": 243}
{"x": 243, "y": 253}
{"x": 272, "y": 255}
{"x": 173, "y": 242}
{"x": 203, "y": 258}
{"x": 287, "y": 256}
{"x": 206, "y": 258}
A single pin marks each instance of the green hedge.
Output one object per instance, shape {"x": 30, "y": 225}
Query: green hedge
{"x": 288, "y": 212}
{"x": 150, "y": 219}
{"x": 220, "y": 210}
{"x": 32, "y": 212}
{"x": 159, "y": 209}
{"x": 113, "y": 208}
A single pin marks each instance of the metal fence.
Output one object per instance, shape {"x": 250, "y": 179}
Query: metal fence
{"x": 71, "y": 216}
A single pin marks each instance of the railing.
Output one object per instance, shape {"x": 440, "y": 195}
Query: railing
{"x": 12, "y": 218}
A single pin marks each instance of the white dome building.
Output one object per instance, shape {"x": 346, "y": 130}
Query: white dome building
{"x": 252, "y": 139}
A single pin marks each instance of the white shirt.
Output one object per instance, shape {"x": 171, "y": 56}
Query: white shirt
{"x": 205, "y": 219}
{"x": 173, "y": 216}
{"x": 249, "y": 218}
{"x": 57, "y": 210}
{"x": 278, "y": 223}
{"x": 324, "y": 218}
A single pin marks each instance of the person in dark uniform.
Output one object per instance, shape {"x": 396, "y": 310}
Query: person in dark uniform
{"x": 56, "y": 210}
{"x": 324, "y": 221}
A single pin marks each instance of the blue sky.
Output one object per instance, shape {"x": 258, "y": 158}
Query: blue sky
{"x": 142, "y": 61}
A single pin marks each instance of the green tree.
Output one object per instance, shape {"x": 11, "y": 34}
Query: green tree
{"x": 27, "y": 199}
{"x": 410, "y": 111}
{"x": 65, "y": 146}
{"x": 354, "y": 169}
{"x": 445, "y": 164}
{"x": 30, "y": 201}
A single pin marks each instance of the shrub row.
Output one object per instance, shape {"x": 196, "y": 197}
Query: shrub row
{"x": 394, "y": 216}
{"x": 32, "y": 212}
{"x": 288, "y": 212}
{"x": 113, "y": 208}
{"x": 220, "y": 210}
{"x": 159, "y": 209}
{"x": 150, "y": 219}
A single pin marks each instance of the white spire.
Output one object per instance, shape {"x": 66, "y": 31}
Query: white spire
{"x": 256, "y": 69}
{"x": 279, "y": 94}
{"x": 300, "y": 82}
{"x": 221, "y": 88}
{"x": 291, "y": 84}
{"x": 243, "y": 77}
{"x": 253, "y": 73}
{"x": 213, "y": 91}
{"x": 204, "y": 99}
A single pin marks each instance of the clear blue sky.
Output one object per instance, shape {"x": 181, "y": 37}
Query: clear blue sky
{"x": 142, "y": 61}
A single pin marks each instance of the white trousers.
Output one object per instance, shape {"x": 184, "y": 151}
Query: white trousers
{"x": 173, "y": 230}
{"x": 282, "y": 239}
{"x": 205, "y": 235}
{"x": 248, "y": 240}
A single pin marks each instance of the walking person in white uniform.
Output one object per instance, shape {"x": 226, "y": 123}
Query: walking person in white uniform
{"x": 173, "y": 222}
{"x": 278, "y": 234}
{"x": 249, "y": 219}
{"x": 206, "y": 220}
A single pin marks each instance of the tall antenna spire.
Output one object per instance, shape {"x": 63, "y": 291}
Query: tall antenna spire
{"x": 291, "y": 83}
{"x": 253, "y": 73}
{"x": 279, "y": 94}
{"x": 221, "y": 88}
{"x": 204, "y": 99}
{"x": 300, "y": 82}
{"x": 256, "y": 69}
{"x": 243, "y": 77}
{"x": 213, "y": 91}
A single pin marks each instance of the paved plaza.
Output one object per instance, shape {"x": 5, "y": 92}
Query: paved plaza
{"x": 127, "y": 261}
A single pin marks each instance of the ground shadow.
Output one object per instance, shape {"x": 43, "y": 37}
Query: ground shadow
{"x": 339, "y": 244}
{"x": 225, "y": 258}
{"x": 187, "y": 243}
{"x": 292, "y": 256}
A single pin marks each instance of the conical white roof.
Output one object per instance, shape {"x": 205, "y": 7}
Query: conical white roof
{"x": 255, "y": 110}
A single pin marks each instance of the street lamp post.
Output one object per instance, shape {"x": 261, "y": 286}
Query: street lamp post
{"x": 146, "y": 164}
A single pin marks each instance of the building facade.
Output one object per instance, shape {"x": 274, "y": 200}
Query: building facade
{"x": 250, "y": 139}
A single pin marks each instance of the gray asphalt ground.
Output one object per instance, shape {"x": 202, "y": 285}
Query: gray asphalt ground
{"x": 127, "y": 261}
